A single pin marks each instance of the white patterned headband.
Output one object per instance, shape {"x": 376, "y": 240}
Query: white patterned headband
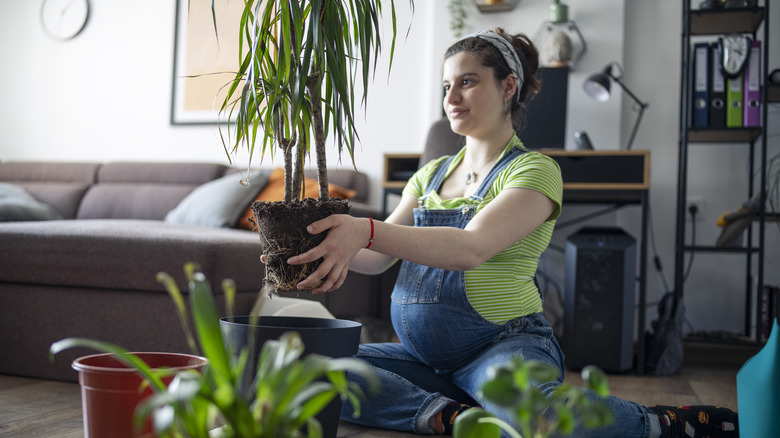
{"x": 507, "y": 50}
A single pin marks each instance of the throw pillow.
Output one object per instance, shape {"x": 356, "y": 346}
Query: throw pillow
{"x": 18, "y": 205}
{"x": 218, "y": 203}
{"x": 274, "y": 191}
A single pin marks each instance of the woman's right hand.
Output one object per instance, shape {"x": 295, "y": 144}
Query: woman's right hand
{"x": 347, "y": 235}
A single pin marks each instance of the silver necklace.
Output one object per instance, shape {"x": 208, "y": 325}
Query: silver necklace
{"x": 472, "y": 176}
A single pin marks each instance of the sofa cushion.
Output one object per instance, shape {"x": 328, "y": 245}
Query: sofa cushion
{"x": 48, "y": 171}
{"x": 171, "y": 173}
{"x": 131, "y": 200}
{"x": 60, "y": 185}
{"x": 18, "y": 205}
{"x": 143, "y": 190}
{"x": 218, "y": 203}
{"x": 125, "y": 254}
{"x": 62, "y": 196}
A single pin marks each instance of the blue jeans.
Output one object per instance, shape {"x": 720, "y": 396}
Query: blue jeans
{"x": 412, "y": 392}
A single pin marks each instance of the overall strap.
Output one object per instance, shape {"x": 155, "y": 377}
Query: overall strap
{"x": 497, "y": 169}
{"x": 438, "y": 176}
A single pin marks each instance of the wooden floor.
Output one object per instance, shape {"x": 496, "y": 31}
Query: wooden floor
{"x": 40, "y": 408}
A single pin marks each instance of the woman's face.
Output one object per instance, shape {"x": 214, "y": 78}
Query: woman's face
{"x": 474, "y": 101}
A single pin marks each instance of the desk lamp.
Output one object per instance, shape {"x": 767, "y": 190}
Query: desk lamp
{"x": 597, "y": 86}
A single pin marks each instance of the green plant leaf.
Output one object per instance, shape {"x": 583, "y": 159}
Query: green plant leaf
{"x": 229, "y": 288}
{"x": 313, "y": 400}
{"x": 173, "y": 291}
{"x": 500, "y": 390}
{"x": 566, "y": 421}
{"x": 468, "y": 425}
{"x": 596, "y": 380}
{"x": 204, "y": 311}
{"x": 535, "y": 372}
{"x": 128, "y": 359}
{"x": 596, "y": 415}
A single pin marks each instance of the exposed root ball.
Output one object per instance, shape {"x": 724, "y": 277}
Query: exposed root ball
{"x": 282, "y": 230}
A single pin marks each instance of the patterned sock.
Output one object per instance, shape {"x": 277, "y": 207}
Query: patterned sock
{"x": 446, "y": 417}
{"x": 697, "y": 422}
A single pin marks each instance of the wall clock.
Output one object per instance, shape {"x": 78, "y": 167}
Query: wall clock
{"x": 734, "y": 54}
{"x": 64, "y": 19}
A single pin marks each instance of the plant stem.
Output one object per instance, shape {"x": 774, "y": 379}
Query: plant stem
{"x": 314, "y": 84}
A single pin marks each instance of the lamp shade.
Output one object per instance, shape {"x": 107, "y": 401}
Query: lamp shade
{"x": 597, "y": 86}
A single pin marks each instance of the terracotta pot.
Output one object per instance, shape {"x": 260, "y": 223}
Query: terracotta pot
{"x": 110, "y": 391}
{"x": 328, "y": 337}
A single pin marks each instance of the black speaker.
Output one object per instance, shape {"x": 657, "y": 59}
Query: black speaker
{"x": 599, "y": 299}
{"x": 544, "y": 126}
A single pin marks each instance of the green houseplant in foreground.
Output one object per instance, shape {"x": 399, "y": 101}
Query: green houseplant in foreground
{"x": 515, "y": 386}
{"x": 288, "y": 390}
{"x": 301, "y": 62}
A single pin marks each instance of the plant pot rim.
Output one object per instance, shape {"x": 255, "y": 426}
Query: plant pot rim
{"x": 82, "y": 364}
{"x": 311, "y": 323}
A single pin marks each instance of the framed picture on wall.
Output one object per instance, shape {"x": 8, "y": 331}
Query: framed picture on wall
{"x": 203, "y": 61}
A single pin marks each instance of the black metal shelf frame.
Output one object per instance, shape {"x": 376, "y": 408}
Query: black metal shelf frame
{"x": 713, "y": 23}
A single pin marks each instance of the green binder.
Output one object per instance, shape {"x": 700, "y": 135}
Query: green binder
{"x": 734, "y": 101}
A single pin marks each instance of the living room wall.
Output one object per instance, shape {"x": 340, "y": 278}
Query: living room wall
{"x": 106, "y": 96}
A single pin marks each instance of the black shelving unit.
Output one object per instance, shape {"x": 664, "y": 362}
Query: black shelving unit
{"x": 713, "y": 23}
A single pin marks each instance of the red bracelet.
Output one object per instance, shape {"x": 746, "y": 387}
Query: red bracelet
{"x": 371, "y": 240}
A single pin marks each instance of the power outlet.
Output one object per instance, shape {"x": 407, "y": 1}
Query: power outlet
{"x": 696, "y": 204}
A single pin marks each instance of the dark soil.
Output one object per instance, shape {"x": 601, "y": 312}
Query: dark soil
{"x": 282, "y": 230}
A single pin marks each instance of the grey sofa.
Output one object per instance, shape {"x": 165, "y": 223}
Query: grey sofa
{"x": 92, "y": 271}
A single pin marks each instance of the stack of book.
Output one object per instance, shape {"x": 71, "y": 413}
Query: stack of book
{"x": 720, "y": 102}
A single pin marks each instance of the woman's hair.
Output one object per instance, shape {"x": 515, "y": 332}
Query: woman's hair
{"x": 491, "y": 57}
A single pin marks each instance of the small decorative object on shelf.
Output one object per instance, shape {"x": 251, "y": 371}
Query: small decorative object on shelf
{"x": 739, "y": 4}
{"x": 495, "y": 5}
{"x": 734, "y": 52}
{"x": 559, "y": 40}
{"x": 711, "y": 4}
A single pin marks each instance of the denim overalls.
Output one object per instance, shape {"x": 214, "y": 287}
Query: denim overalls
{"x": 430, "y": 311}
{"x": 446, "y": 346}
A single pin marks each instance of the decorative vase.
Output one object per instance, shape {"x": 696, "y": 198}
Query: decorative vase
{"x": 327, "y": 337}
{"x": 110, "y": 391}
{"x": 559, "y": 12}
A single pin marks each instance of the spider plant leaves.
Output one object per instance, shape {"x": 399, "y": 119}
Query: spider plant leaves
{"x": 287, "y": 392}
{"x": 181, "y": 309}
{"x": 204, "y": 313}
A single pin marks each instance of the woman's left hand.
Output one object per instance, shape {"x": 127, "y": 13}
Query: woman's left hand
{"x": 346, "y": 236}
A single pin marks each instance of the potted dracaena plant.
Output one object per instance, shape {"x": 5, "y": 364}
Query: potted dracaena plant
{"x": 283, "y": 398}
{"x": 300, "y": 64}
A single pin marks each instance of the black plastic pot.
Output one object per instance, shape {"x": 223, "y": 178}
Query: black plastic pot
{"x": 328, "y": 337}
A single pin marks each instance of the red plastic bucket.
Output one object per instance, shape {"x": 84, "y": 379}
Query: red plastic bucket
{"x": 110, "y": 391}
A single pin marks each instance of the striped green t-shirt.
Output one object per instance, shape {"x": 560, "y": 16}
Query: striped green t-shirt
{"x": 503, "y": 287}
